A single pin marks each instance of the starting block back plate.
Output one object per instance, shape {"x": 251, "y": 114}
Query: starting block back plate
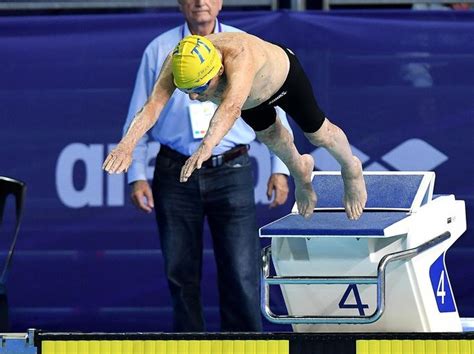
{"x": 385, "y": 190}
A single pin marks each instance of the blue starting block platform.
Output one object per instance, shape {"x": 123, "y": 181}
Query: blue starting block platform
{"x": 382, "y": 273}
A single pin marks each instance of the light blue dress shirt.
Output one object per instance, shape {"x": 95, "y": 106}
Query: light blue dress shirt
{"x": 173, "y": 127}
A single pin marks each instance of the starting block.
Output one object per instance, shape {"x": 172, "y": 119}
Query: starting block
{"x": 385, "y": 272}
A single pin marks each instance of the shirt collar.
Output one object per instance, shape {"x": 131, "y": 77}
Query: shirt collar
{"x": 186, "y": 32}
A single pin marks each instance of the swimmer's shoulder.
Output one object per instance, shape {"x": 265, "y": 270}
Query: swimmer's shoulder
{"x": 231, "y": 38}
{"x": 236, "y": 43}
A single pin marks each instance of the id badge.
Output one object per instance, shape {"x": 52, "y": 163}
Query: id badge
{"x": 200, "y": 115}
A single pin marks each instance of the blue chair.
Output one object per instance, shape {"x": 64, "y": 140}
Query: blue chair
{"x": 9, "y": 186}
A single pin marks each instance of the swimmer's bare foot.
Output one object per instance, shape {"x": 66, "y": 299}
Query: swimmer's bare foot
{"x": 355, "y": 193}
{"x": 304, "y": 193}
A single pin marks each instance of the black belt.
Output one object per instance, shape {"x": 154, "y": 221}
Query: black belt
{"x": 214, "y": 160}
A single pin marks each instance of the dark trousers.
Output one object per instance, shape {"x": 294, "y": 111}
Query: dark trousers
{"x": 225, "y": 196}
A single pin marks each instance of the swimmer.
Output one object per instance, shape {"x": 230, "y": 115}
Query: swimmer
{"x": 247, "y": 76}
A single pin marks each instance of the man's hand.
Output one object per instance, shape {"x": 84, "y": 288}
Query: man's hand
{"x": 277, "y": 187}
{"x": 142, "y": 196}
{"x": 202, "y": 154}
{"x": 118, "y": 160}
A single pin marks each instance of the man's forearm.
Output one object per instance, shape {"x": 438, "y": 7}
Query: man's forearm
{"x": 220, "y": 124}
{"x": 148, "y": 115}
{"x": 143, "y": 121}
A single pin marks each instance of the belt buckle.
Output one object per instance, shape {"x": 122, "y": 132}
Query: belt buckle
{"x": 217, "y": 160}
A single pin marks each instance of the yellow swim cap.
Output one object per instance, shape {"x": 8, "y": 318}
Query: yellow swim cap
{"x": 195, "y": 62}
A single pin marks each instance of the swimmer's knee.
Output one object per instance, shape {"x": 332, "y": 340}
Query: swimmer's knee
{"x": 324, "y": 136}
{"x": 269, "y": 132}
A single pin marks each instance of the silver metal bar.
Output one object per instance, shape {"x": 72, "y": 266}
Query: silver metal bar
{"x": 280, "y": 280}
{"x": 327, "y": 3}
{"x": 268, "y": 280}
{"x": 385, "y": 2}
{"x": 119, "y": 4}
{"x": 298, "y": 5}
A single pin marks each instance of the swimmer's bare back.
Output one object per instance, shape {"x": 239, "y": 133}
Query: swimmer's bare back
{"x": 271, "y": 64}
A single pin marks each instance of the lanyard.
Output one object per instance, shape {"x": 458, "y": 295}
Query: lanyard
{"x": 219, "y": 29}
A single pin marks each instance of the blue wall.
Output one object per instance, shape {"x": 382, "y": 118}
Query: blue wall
{"x": 401, "y": 85}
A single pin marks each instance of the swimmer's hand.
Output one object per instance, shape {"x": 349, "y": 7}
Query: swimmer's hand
{"x": 118, "y": 160}
{"x": 196, "y": 160}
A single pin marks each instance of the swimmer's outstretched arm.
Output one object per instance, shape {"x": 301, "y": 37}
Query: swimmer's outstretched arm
{"x": 240, "y": 72}
{"x": 120, "y": 158}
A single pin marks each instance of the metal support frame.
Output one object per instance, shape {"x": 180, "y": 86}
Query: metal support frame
{"x": 379, "y": 280}
{"x": 16, "y": 188}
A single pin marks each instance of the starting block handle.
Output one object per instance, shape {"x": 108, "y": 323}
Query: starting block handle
{"x": 379, "y": 280}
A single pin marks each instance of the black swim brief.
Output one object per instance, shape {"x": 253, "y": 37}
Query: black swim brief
{"x": 295, "y": 97}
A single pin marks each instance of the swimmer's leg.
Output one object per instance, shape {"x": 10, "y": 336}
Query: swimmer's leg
{"x": 280, "y": 141}
{"x": 335, "y": 141}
